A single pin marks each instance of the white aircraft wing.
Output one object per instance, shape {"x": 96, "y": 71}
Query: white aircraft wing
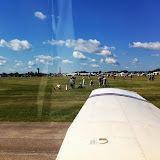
{"x": 113, "y": 124}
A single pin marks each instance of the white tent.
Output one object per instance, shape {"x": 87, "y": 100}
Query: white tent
{"x": 113, "y": 124}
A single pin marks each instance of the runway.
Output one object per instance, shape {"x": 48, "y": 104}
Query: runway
{"x": 31, "y": 140}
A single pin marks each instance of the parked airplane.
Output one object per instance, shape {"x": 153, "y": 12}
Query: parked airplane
{"x": 113, "y": 124}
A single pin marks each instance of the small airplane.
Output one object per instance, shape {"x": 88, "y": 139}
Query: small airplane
{"x": 113, "y": 124}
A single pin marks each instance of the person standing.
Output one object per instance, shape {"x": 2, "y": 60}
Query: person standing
{"x": 104, "y": 81}
{"x": 74, "y": 81}
{"x": 71, "y": 82}
{"x": 100, "y": 81}
{"x": 83, "y": 84}
{"x": 91, "y": 83}
{"x": 89, "y": 76}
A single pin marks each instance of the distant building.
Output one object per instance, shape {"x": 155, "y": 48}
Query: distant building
{"x": 59, "y": 70}
{"x": 71, "y": 74}
{"x": 38, "y": 70}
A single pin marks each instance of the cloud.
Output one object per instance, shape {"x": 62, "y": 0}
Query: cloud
{"x": 47, "y": 60}
{"x": 67, "y": 61}
{"x": 112, "y": 61}
{"x": 79, "y": 55}
{"x": 102, "y": 60}
{"x": 155, "y": 55}
{"x": 40, "y": 15}
{"x": 54, "y": 42}
{"x": 135, "y": 61}
{"x": 3, "y": 43}
{"x": 88, "y": 46}
{"x": 149, "y": 45}
{"x": 94, "y": 65}
{"x": 92, "y": 60}
{"x": 113, "y": 48}
{"x": 19, "y": 64}
{"x": 31, "y": 63}
{"x": 10, "y": 69}
{"x": 84, "y": 64}
{"x": 105, "y": 52}
{"x": 2, "y": 61}
{"x": 16, "y": 45}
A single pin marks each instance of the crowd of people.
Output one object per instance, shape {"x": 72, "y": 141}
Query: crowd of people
{"x": 82, "y": 85}
{"x": 102, "y": 81}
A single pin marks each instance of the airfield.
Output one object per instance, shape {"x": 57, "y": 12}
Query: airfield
{"x": 35, "y": 117}
{"x": 33, "y": 99}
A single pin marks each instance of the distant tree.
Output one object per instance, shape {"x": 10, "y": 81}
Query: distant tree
{"x": 16, "y": 74}
{"x": 125, "y": 71}
{"x": 82, "y": 72}
{"x": 11, "y": 74}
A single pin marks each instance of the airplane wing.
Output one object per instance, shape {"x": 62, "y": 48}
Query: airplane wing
{"x": 113, "y": 124}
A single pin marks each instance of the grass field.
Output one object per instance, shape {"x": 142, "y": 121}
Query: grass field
{"x": 34, "y": 99}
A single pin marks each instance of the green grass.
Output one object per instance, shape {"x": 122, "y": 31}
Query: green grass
{"x": 34, "y": 99}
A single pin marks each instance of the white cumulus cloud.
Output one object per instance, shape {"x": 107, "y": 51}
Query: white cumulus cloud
{"x": 88, "y": 46}
{"x": 146, "y": 45}
{"x": 31, "y": 63}
{"x": 2, "y": 61}
{"x": 135, "y": 61}
{"x": 47, "y": 60}
{"x": 92, "y": 60}
{"x": 94, "y": 65}
{"x": 19, "y": 64}
{"x": 112, "y": 61}
{"x": 54, "y": 42}
{"x": 3, "y": 43}
{"x": 79, "y": 55}
{"x": 105, "y": 52}
{"x": 102, "y": 60}
{"x": 40, "y": 15}
{"x": 16, "y": 45}
{"x": 67, "y": 61}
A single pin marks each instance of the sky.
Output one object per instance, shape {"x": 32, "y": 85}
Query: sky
{"x": 77, "y": 35}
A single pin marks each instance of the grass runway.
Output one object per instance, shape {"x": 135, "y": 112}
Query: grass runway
{"x": 34, "y": 99}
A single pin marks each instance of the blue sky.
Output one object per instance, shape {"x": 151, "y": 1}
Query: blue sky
{"x": 78, "y": 35}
